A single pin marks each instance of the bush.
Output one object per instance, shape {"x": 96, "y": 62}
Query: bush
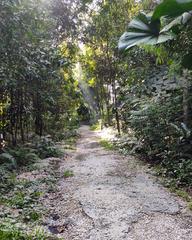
{"x": 7, "y": 158}
{"x": 45, "y": 147}
{"x": 18, "y": 156}
{"x": 41, "y": 147}
{"x": 65, "y": 135}
{"x": 162, "y": 137}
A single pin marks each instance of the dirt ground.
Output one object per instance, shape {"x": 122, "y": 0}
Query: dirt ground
{"x": 111, "y": 197}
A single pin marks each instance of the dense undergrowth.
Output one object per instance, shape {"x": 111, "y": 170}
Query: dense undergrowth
{"x": 26, "y": 176}
{"x": 160, "y": 136}
{"x": 35, "y": 149}
{"x": 8, "y": 231}
{"x": 20, "y": 204}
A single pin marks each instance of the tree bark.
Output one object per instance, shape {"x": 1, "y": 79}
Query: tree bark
{"x": 185, "y": 85}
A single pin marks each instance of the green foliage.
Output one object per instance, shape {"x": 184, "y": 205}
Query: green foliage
{"x": 19, "y": 156}
{"x": 12, "y": 234}
{"x": 23, "y": 197}
{"x": 100, "y": 62}
{"x": 127, "y": 144}
{"x": 9, "y": 231}
{"x": 39, "y": 93}
{"x": 147, "y": 29}
{"x": 172, "y": 8}
{"x": 23, "y": 155}
{"x": 45, "y": 148}
{"x": 190, "y": 205}
{"x": 68, "y": 173}
{"x": 183, "y": 194}
{"x": 7, "y": 158}
{"x": 96, "y": 126}
{"x": 67, "y": 135}
{"x": 107, "y": 144}
{"x": 142, "y": 31}
{"x": 39, "y": 148}
{"x": 162, "y": 141}
{"x": 32, "y": 215}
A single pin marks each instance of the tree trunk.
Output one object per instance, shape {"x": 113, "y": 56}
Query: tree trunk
{"x": 21, "y": 116}
{"x": 116, "y": 109}
{"x": 185, "y": 85}
{"x": 38, "y": 115}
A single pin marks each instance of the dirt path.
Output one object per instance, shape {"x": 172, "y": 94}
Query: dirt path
{"x": 113, "y": 198}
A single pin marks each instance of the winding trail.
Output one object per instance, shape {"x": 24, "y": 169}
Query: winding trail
{"x": 111, "y": 197}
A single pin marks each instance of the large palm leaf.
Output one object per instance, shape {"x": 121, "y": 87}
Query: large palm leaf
{"x": 146, "y": 29}
{"x": 142, "y": 30}
{"x": 172, "y": 8}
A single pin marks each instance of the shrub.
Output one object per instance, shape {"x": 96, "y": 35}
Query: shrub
{"x": 18, "y": 156}
{"x": 162, "y": 137}
{"x": 45, "y": 147}
{"x": 41, "y": 147}
{"x": 7, "y": 158}
{"x": 23, "y": 155}
{"x": 65, "y": 135}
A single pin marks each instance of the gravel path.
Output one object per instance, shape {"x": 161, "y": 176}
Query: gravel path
{"x": 111, "y": 197}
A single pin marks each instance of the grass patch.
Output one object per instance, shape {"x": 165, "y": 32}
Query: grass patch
{"x": 183, "y": 194}
{"x": 173, "y": 187}
{"x": 96, "y": 126}
{"x": 71, "y": 141}
{"x": 33, "y": 216}
{"x": 190, "y": 205}
{"x": 9, "y": 232}
{"x": 68, "y": 173}
{"x": 21, "y": 198}
{"x": 107, "y": 144}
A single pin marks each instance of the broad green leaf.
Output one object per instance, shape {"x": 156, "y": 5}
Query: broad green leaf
{"x": 183, "y": 19}
{"x": 127, "y": 42}
{"x": 146, "y": 30}
{"x": 142, "y": 31}
{"x": 172, "y": 8}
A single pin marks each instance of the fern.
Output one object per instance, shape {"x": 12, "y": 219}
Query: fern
{"x": 7, "y": 159}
